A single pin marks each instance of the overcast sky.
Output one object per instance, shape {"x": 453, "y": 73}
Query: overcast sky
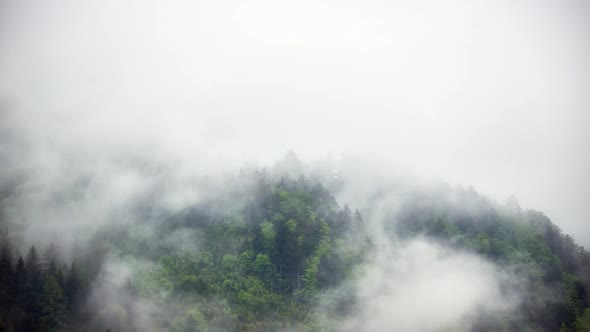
{"x": 494, "y": 94}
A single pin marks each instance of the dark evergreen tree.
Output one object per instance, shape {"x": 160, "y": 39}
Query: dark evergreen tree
{"x": 19, "y": 310}
{"x": 7, "y": 279}
{"x": 52, "y": 305}
{"x": 74, "y": 290}
{"x": 33, "y": 287}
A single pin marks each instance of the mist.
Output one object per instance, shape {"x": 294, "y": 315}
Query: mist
{"x": 394, "y": 294}
{"x": 126, "y": 112}
{"x": 492, "y": 95}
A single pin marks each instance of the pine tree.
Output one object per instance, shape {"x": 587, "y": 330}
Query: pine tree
{"x": 7, "y": 275}
{"x": 5, "y": 259}
{"x": 50, "y": 259}
{"x": 32, "y": 288}
{"x": 73, "y": 289}
{"x": 18, "y": 312}
{"x": 20, "y": 272}
{"x": 33, "y": 266}
{"x": 52, "y": 305}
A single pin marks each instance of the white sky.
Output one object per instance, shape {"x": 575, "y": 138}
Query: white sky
{"x": 490, "y": 93}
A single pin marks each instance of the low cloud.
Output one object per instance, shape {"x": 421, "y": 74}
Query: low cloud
{"x": 407, "y": 279}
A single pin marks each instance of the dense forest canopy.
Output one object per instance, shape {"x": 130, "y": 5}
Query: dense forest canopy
{"x": 270, "y": 251}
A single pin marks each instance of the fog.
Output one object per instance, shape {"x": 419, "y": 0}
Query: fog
{"x": 104, "y": 103}
{"x": 422, "y": 275}
{"x": 482, "y": 93}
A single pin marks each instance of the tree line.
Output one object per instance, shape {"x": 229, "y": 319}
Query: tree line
{"x": 40, "y": 292}
{"x": 269, "y": 254}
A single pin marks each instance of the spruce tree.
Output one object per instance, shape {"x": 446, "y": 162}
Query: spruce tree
{"x": 32, "y": 289}
{"x": 7, "y": 275}
{"x": 52, "y": 305}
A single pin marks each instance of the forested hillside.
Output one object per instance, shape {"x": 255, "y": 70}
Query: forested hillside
{"x": 281, "y": 254}
{"x": 552, "y": 271}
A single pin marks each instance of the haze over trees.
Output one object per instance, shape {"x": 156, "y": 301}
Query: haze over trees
{"x": 280, "y": 253}
{"x": 442, "y": 184}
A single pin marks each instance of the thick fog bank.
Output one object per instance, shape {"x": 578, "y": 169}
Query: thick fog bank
{"x": 489, "y": 94}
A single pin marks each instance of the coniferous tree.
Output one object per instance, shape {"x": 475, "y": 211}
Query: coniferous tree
{"x": 73, "y": 290}
{"x": 50, "y": 259}
{"x": 52, "y": 305}
{"x": 19, "y": 311}
{"x": 7, "y": 275}
{"x": 33, "y": 287}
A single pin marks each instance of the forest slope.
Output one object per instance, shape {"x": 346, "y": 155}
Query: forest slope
{"x": 281, "y": 254}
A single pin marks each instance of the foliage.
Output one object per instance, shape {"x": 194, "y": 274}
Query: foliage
{"x": 552, "y": 268}
{"x": 269, "y": 256}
